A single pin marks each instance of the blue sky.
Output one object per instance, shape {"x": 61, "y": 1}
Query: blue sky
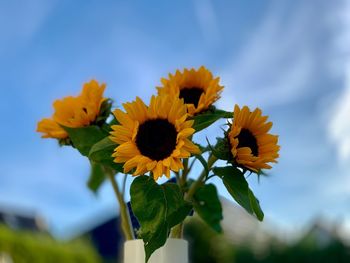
{"x": 290, "y": 58}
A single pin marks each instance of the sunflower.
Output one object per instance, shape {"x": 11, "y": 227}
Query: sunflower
{"x": 252, "y": 146}
{"x": 153, "y": 138}
{"x": 73, "y": 112}
{"x": 198, "y": 88}
{"x": 51, "y": 129}
{"x": 82, "y": 110}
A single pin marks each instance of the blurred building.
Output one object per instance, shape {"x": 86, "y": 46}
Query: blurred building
{"x": 19, "y": 220}
{"x": 241, "y": 228}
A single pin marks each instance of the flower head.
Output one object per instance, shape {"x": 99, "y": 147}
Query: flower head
{"x": 51, "y": 129}
{"x": 153, "y": 138}
{"x": 198, "y": 88}
{"x": 252, "y": 146}
{"x": 73, "y": 112}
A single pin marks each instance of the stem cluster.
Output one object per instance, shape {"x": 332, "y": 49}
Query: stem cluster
{"x": 188, "y": 193}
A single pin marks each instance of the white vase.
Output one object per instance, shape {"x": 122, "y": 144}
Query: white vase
{"x": 174, "y": 251}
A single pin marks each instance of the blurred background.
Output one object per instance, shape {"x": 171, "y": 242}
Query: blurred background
{"x": 290, "y": 58}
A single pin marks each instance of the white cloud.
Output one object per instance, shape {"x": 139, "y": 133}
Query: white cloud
{"x": 339, "y": 128}
{"x": 344, "y": 229}
{"x": 206, "y": 17}
{"x": 281, "y": 59}
{"x": 294, "y": 61}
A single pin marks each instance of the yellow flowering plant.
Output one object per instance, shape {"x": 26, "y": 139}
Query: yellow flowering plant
{"x": 149, "y": 141}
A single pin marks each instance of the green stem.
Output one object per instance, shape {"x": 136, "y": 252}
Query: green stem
{"x": 124, "y": 184}
{"x": 124, "y": 215}
{"x": 178, "y": 178}
{"x": 211, "y": 176}
{"x": 212, "y": 159}
{"x": 177, "y": 231}
{"x": 185, "y": 172}
{"x": 191, "y": 164}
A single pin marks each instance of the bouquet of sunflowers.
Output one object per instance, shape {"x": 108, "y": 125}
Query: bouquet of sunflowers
{"x": 148, "y": 141}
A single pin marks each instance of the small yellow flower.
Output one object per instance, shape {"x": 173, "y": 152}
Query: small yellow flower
{"x": 198, "y": 88}
{"x": 74, "y": 112}
{"x": 153, "y": 138}
{"x": 252, "y": 146}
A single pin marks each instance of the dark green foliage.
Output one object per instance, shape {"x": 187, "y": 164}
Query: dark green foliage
{"x": 27, "y": 247}
{"x": 94, "y": 143}
{"x": 335, "y": 252}
{"x": 101, "y": 152}
{"x": 207, "y": 246}
{"x": 157, "y": 208}
{"x": 105, "y": 111}
{"x": 84, "y": 138}
{"x": 205, "y": 119}
{"x": 237, "y": 186}
{"x": 208, "y": 206}
{"x": 97, "y": 176}
{"x": 222, "y": 149}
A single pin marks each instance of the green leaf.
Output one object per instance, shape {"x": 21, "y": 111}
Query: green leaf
{"x": 178, "y": 209}
{"x": 208, "y": 206}
{"x": 85, "y": 137}
{"x": 101, "y": 152}
{"x": 202, "y": 121}
{"x": 98, "y": 149}
{"x": 254, "y": 202}
{"x": 157, "y": 208}
{"x": 236, "y": 185}
{"x": 157, "y": 240}
{"x": 149, "y": 206}
{"x": 238, "y": 188}
{"x": 97, "y": 177}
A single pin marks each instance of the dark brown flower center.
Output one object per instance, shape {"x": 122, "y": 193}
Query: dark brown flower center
{"x": 247, "y": 139}
{"x": 156, "y": 139}
{"x": 191, "y": 95}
